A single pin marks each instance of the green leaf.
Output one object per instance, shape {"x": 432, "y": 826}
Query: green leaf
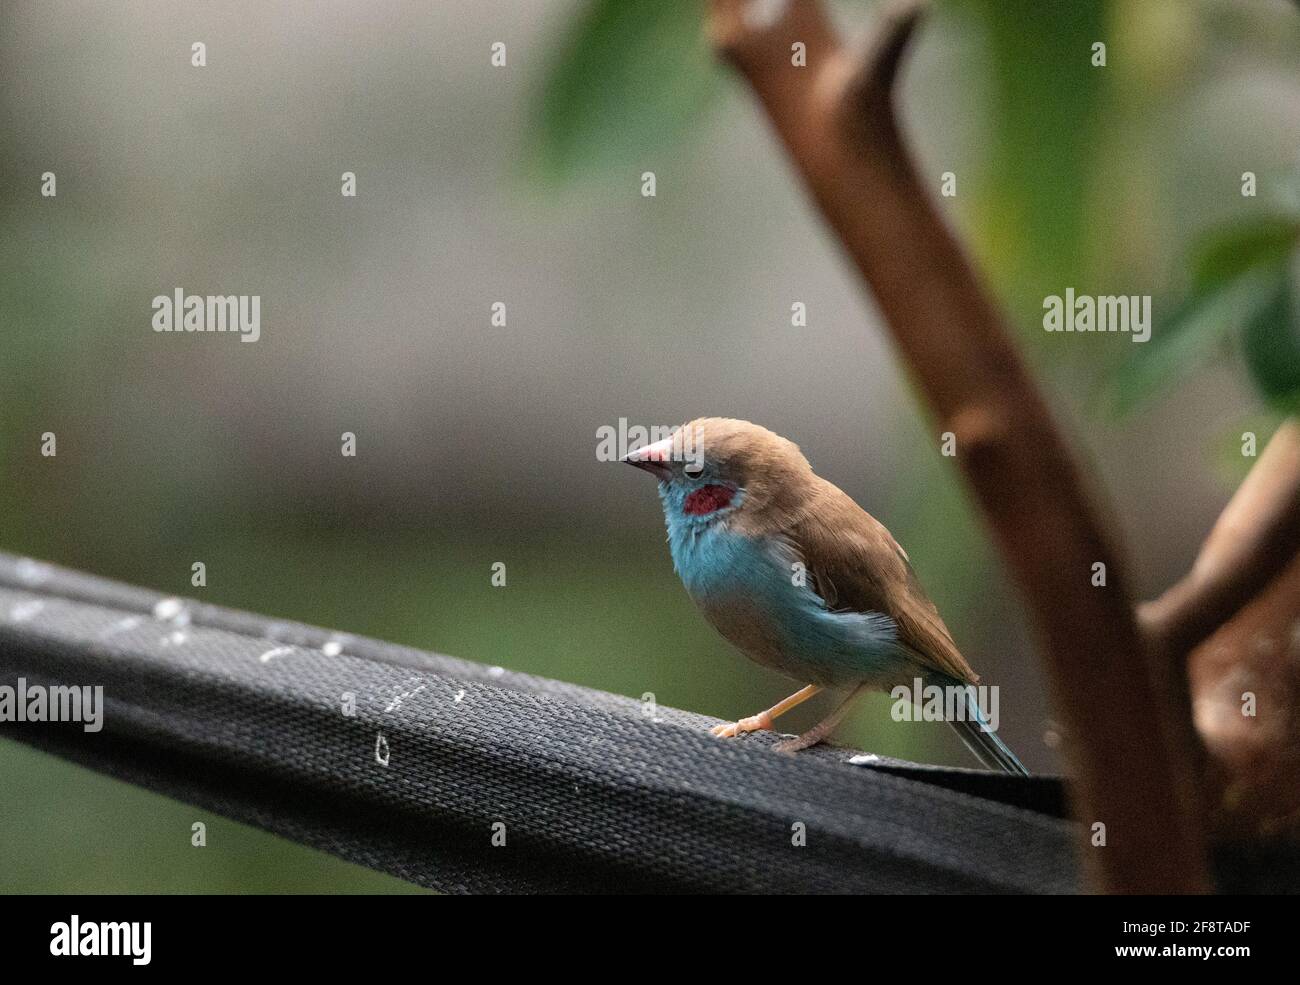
{"x": 1227, "y": 253}
{"x": 631, "y": 76}
{"x": 1271, "y": 344}
{"x": 1197, "y": 329}
{"x": 1235, "y": 276}
{"x": 1029, "y": 221}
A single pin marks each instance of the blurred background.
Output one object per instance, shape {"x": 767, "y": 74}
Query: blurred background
{"x": 476, "y": 442}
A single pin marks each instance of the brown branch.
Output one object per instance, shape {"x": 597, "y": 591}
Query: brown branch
{"x": 1253, "y": 752}
{"x": 837, "y": 123}
{"x": 1223, "y": 629}
{"x": 1255, "y": 537}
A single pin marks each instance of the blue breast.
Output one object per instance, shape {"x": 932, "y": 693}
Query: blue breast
{"x": 749, "y": 589}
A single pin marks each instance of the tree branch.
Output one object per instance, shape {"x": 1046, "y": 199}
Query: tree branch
{"x": 1254, "y": 538}
{"x": 836, "y": 120}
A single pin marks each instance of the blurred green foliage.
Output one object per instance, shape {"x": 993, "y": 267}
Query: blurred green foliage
{"x": 1047, "y": 101}
{"x": 1272, "y": 344}
{"x": 628, "y": 78}
{"x": 1241, "y": 286}
{"x": 602, "y": 106}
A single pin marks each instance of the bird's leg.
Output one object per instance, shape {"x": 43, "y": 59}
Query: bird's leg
{"x": 763, "y": 720}
{"x": 822, "y": 729}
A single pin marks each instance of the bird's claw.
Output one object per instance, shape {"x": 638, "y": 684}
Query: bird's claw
{"x": 797, "y": 744}
{"x": 754, "y": 723}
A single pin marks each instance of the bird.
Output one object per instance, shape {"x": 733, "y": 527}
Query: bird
{"x": 799, "y": 578}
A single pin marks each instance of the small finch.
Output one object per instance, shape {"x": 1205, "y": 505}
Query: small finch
{"x": 801, "y": 579}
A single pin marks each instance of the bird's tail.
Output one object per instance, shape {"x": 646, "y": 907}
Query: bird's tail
{"x": 981, "y": 740}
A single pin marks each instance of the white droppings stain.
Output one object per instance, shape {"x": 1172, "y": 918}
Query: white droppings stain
{"x": 25, "y": 610}
{"x": 381, "y": 749}
{"x": 279, "y": 651}
{"x": 865, "y": 759}
{"x": 171, "y": 610}
{"x": 177, "y": 637}
{"x": 397, "y": 701}
{"x": 333, "y": 647}
{"x": 32, "y": 572}
{"x": 459, "y": 695}
{"x": 496, "y": 671}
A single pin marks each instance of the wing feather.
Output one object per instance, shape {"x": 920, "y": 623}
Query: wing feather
{"x": 857, "y": 566}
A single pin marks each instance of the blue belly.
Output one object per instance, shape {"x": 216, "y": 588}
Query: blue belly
{"x": 747, "y": 588}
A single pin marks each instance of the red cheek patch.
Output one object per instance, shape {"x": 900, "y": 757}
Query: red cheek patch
{"x": 706, "y": 499}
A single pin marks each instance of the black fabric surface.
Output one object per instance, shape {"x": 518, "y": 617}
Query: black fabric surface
{"x": 242, "y": 715}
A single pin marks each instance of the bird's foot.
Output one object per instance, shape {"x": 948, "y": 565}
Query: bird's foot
{"x": 822, "y": 730}
{"x": 754, "y": 723}
{"x": 805, "y": 741}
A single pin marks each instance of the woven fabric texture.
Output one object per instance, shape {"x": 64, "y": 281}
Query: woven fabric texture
{"x": 409, "y": 762}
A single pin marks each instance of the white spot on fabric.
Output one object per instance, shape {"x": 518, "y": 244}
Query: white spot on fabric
{"x": 334, "y": 645}
{"x": 279, "y": 651}
{"x": 32, "y": 572}
{"x": 397, "y": 701}
{"x": 26, "y": 610}
{"x": 172, "y": 610}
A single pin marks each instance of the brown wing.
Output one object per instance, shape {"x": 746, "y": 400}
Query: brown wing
{"x": 857, "y": 566}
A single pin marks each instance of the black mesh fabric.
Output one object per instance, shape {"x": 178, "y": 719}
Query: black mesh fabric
{"x": 243, "y": 715}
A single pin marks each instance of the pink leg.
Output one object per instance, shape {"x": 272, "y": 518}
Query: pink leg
{"x": 763, "y": 720}
{"x": 822, "y": 729}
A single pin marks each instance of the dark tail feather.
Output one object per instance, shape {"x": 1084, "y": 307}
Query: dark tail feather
{"x": 984, "y": 742}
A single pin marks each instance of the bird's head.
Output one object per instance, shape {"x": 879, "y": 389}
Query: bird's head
{"x": 715, "y": 466}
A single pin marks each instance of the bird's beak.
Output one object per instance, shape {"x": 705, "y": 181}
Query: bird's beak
{"x": 653, "y": 458}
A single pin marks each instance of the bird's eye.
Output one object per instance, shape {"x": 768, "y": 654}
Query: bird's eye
{"x": 693, "y": 470}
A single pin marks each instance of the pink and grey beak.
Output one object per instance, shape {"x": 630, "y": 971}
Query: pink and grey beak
{"x": 655, "y": 459}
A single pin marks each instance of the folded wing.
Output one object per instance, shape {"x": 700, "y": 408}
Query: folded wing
{"x": 856, "y": 566}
